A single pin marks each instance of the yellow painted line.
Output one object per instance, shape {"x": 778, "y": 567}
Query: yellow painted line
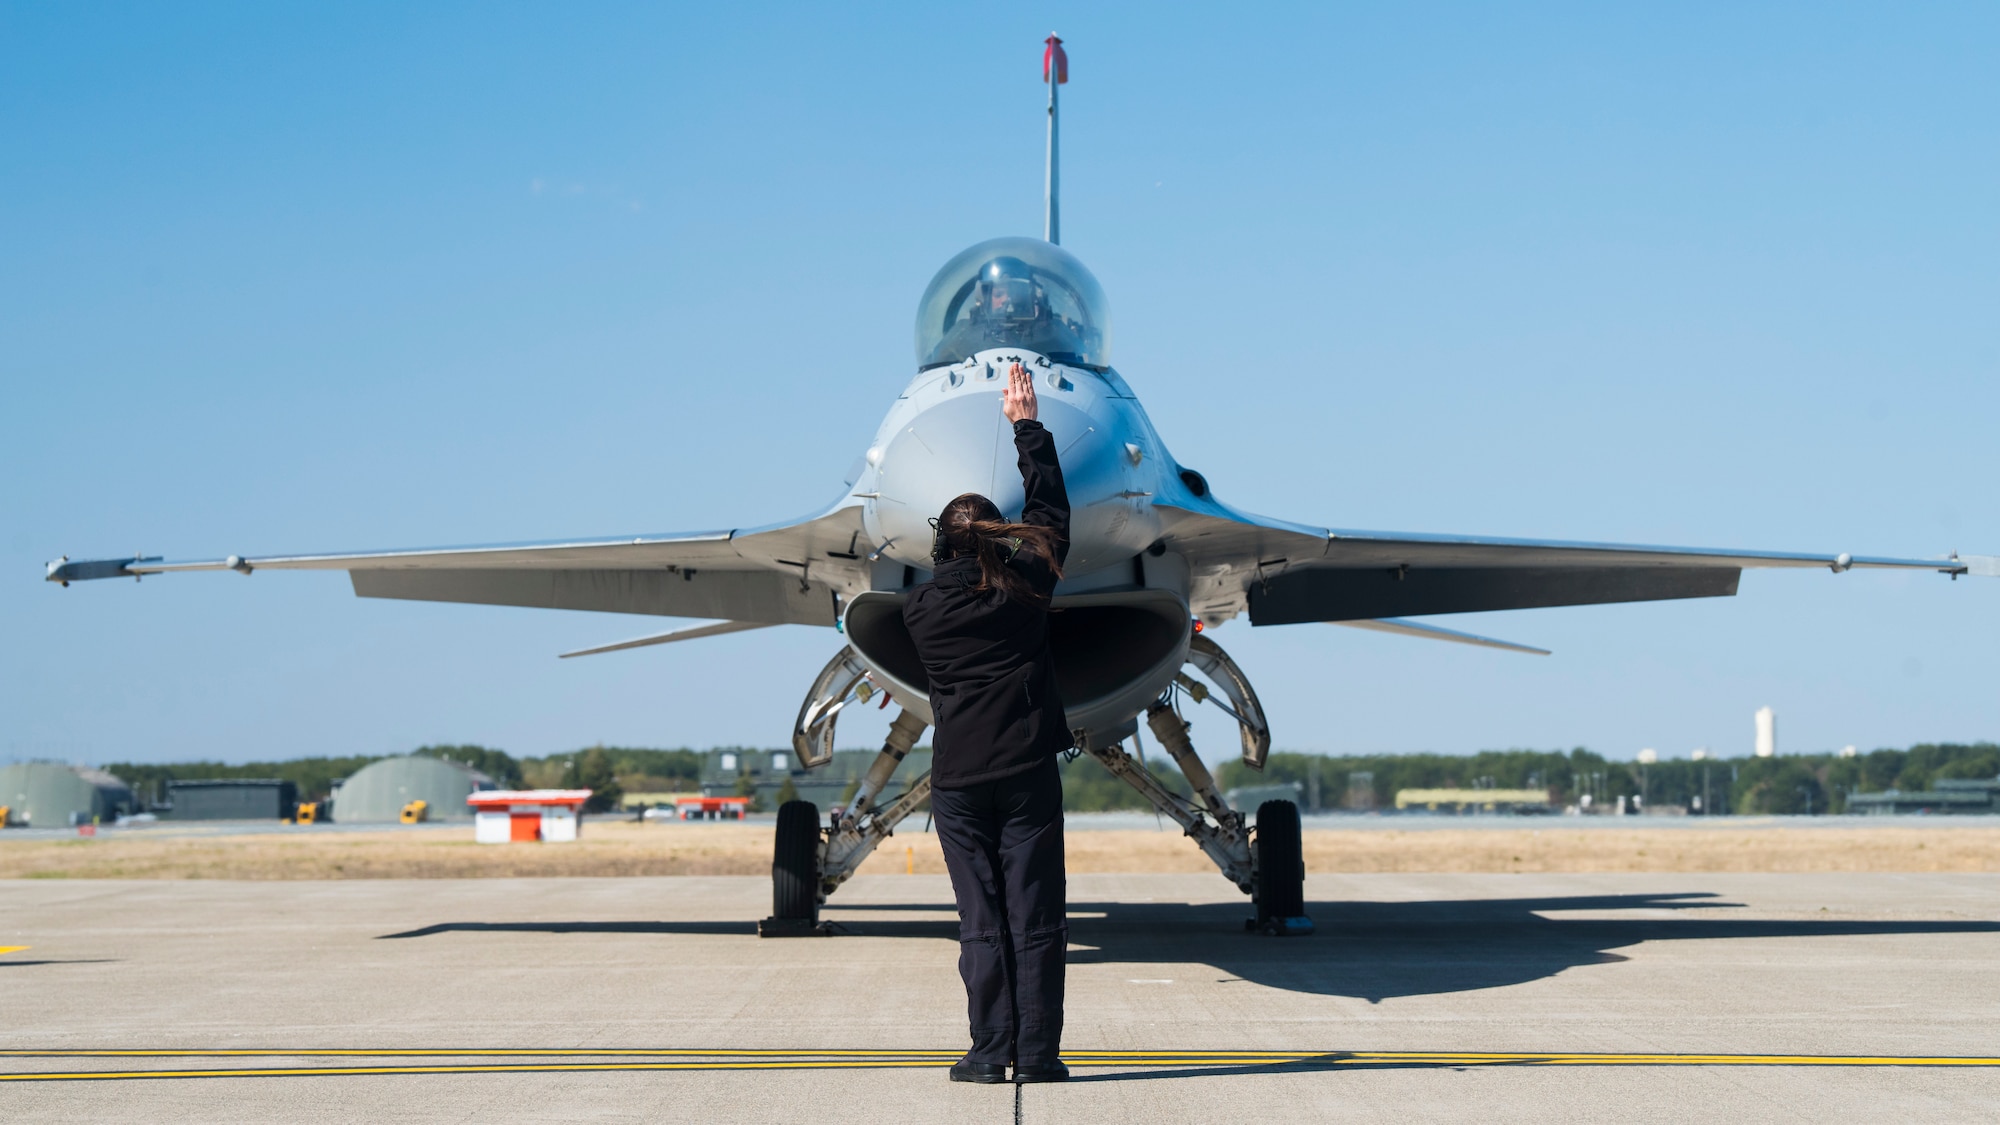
{"x": 6, "y": 949}
{"x": 724, "y": 1060}
{"x": 691, "y": 1052}
{"x": 471, "y": 1068}
{"x": 467, "y": 1053}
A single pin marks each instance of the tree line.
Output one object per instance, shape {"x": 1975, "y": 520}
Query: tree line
{"x": 1786, "y": 784}
{"x": 608, "y": 771}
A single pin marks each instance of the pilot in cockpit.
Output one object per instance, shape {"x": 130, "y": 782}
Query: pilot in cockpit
{"x": 1007, "y": 291}
{"x": 1010, "y": 308}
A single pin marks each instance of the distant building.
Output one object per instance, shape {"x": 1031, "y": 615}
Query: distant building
{"x": 52, "y": 795}
{"x": 1360, "y": 790}
{"x": 1474, "y": 800}
{"x": 233, "y": 799}
{"x": 1952, "y": 796}
{"x": 1767, "y": 732}
{"x": 762, "y": 773}
{"x": 1246, "y": 798}
{"x": 378, "y": 791}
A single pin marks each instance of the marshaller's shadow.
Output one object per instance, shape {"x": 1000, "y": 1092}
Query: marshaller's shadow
{"x": 1368, "y": 950}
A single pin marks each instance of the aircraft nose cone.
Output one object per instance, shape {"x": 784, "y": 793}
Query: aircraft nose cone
{"x": 958, "y": 446}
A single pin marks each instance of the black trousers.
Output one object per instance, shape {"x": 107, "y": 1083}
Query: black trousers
{"x": 1003, "y": 844}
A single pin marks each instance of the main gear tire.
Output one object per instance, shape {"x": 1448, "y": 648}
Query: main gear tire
{"x": 795, "y": 864}
{"x": 1280, "y": 872}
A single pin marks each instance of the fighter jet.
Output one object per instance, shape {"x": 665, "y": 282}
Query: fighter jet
{"x": 1158, "y": 562}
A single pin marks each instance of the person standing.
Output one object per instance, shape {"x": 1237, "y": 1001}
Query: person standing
{"x": 981, "y": 627}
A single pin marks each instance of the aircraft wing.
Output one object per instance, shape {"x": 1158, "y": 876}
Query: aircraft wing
{"x": 1284, "y": 573}
{"x": 782, "y": 574}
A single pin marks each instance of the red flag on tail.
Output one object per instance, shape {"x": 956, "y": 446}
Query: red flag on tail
{"x": 1054, "y": 54}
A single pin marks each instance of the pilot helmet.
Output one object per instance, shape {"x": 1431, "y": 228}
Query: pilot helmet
{"x": 1007, "y": 291}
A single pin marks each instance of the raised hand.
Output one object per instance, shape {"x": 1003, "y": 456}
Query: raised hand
{"x": 1017, "y": 402}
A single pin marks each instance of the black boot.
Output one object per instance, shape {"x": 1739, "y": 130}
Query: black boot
{"x": 965, "y": 1070}
{"x": 1041, "y": 1072}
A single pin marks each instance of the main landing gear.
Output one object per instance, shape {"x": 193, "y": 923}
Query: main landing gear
{"x": 1265, "y": 859}
{"x": 810, "y": 861}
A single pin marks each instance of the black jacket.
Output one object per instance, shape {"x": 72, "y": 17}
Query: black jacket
{"x": 992, "y": 681}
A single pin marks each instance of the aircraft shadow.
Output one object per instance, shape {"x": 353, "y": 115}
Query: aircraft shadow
{"x": 1367, "y": 950}
{"x": 1334, "y": 1060}
{"x": 740, "y": 929}
{"x": 70, "y": 961}
{"x": 1377, "y": 950}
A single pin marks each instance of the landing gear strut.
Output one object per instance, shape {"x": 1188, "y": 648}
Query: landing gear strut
{"x": 811, "y": 861}
{"x": 1265, "y": 860}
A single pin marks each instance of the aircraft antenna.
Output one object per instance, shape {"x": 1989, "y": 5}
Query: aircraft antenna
{"x": 1055, "y": 72}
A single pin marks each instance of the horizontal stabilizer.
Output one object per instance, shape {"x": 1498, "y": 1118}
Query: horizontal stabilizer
{"x": 692, "y": 633}
{"x": 1433, "y": 632}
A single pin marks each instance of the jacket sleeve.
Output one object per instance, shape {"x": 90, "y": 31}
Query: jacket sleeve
{"x": 1042, "y": 480}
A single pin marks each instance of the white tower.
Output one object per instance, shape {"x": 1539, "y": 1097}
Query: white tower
{"x": 1767, "y": 732}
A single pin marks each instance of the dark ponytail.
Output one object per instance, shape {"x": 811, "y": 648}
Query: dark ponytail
{"x": 972, "y": 525}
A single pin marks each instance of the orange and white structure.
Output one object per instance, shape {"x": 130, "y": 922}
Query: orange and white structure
{"x": 527, "y": 816}
{"x": 696, "y": 807}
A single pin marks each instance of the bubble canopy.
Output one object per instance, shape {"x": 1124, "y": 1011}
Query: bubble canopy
{"x": 1014, "y": 293}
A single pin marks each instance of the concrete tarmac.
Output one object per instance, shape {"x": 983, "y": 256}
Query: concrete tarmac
{"x": 1460, "y": 997}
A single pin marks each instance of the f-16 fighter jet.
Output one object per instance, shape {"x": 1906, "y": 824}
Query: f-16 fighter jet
{"x": 1157, "y": 562}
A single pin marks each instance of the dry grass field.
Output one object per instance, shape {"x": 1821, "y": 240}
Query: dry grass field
{"x": 624, "y": 848}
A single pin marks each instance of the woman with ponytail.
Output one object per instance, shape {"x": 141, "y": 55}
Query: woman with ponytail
{"x": 981, "y": 625}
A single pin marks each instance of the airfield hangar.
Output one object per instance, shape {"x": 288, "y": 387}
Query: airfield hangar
{"x": 378, "y": 791}
{"x": 233, "y": 799}
{"x": 52, "y": 795}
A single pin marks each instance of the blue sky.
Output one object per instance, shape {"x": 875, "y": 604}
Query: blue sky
{"x": 279, "y": 278}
